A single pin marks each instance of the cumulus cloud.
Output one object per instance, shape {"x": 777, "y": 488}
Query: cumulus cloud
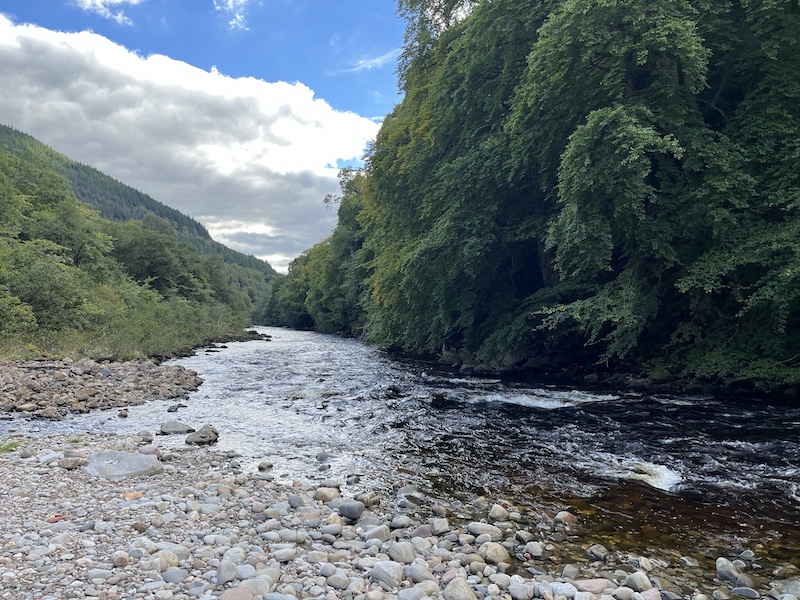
{"x": 104, "y": 9}
{"x": 249, "y": 159}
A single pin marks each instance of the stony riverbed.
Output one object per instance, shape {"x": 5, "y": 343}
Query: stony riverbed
{"x": 204, "y": 527}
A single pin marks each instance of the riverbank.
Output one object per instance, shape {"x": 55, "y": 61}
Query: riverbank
{"x": 205, "y": 525}
{"x": 203, "y": 528}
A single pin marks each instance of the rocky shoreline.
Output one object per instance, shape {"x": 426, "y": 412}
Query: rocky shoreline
{"x": 50, "y": 389}
{"x": 200, "y": 527}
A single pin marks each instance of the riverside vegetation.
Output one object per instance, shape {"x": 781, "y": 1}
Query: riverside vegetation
{"x": 146, "y": 281}
{"x": 577, "y": 186}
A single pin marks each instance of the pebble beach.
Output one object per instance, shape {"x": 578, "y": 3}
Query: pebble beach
{"x": 197, "y": 525}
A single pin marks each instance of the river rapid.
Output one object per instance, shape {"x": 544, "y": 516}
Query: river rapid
{"x": 694, "y": 474}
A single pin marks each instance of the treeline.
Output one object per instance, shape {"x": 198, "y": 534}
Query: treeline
{"x": 577, "y": 185}
{"x": 73, "y": 283}
{"x": 118, "y": 202}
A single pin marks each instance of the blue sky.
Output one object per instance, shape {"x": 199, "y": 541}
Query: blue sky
{"x": 236, "y": 112}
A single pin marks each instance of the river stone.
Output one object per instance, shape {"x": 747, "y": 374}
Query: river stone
{"x": 238, "y": 593}
{"x": 413, "y": 593}
{"x": 226, "y": 571}
{"x": 439, "y": 526}
{"x": 498, "y": 513}
{"x": 623, "y": 593}
{"x": 791, "y": 588}
{"x": 175, "y": 575}
{"x": 403, "y": 552}
{"x": 638, "y": 581}
{"x": 595, "y": 586}
{"x": 521, "y": 591}
{"x": 72, "y": 463}
{"x": 477, "y": 529}
{"x": 494, "y": 553}
{"x": 387, "y": 572}
{"x": 99, "y": 574}
{"x": 418, "y": 572}
{"x": 563, "y": 589}
{"x": 598, "y": 552}
{"x": 570, "y": 571}
{"x": 459, "y": 589}
{"x": 352, "y": 509}
{"x": 381, "y": 532}
{"x": 746, "y": 592}
{"x": 326, "y": 494}
{"x": 651, "y": 594}
{"x": 175, "y": 427}
{"x": 339, "y": 580}
{"x": 535, "y": 549}
{"x": 114, "y": 464}
{"x": 207, "y": 434}
{"x": 726, "y": 570}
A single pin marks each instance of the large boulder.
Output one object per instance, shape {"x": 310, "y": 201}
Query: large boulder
{"x": 207, "y": 434}
{"x": 114, "y": 464}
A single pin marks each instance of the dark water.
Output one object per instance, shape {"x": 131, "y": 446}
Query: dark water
{"x": 644, "y": 472}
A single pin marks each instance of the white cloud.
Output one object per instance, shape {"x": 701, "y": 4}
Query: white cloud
{"x": 236, "y": 11}
{"x": 249, "y": 159}
{"x": 375, "y": 62}
{"x": 104, "y": 9}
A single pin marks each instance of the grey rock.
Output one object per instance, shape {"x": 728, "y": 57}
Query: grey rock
{"x": 207, "y": 434}
{"x": 792, "y": 588}
{"x": 598, "y": 552}
{"x": 351, "y": 509}
{"x": 498, "y": 513}
{"x": 726, "y": 570}
{"x": 387, "y": 572}
{"x": 339, "y": 580}
{"x": 477, "y": 529}
{"x": 175, "y": 575}
{"x": 226, "y": 571}
{"x": 439, "y": 526}
{"x": 638, "y": 581}
{"x": 458, "y": 589}
{"x": 174, "y": 428}
{"x": 563, "y": 589}
{"x": 418, "y": 572}
{"x": 381, "y": 532}
{"x": 413, "y": 593}
{"x": 493, "y": 553}
{"x": 623, "y": 593}
{"x": 114, "y": 464}
{"x": 403, "y": 552}
{"x": 746, "y": 592}
{"x": 99, "y": 574}
{"x": 535, "y": 549}
{"x": 521, "y": 591}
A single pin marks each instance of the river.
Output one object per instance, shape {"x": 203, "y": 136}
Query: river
{"x": 689, "y": 473}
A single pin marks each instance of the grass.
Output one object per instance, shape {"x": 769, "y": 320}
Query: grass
{"x": 10, "y": 446}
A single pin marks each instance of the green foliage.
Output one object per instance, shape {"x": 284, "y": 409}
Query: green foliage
{"x": 576, "y": 183}
{"x": 72, "y": 283}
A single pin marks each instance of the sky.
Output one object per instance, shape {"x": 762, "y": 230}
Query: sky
{"x": 238, "y": 113}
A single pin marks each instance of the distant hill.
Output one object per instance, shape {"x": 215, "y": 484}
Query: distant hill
{"x": 118, "y": 202}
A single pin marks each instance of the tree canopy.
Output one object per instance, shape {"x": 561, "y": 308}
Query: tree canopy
{"x": 601, "y": 184}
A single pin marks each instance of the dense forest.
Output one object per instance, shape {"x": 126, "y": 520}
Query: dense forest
{"x": 151, "y": 282}
{"x": 577, "y": 186}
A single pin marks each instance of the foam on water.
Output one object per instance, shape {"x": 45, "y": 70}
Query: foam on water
{"x": 653, "y": 474}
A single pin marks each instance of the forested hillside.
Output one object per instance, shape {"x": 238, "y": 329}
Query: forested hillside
{"x": 578, "y": 185}
{"x": 74, "y": 283}
{"x": 118, "y": 202}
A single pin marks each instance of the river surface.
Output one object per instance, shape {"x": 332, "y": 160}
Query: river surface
{"x": 690, "y": 473}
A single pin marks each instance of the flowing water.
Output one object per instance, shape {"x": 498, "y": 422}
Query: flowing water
{"x": 689, "y": 473}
